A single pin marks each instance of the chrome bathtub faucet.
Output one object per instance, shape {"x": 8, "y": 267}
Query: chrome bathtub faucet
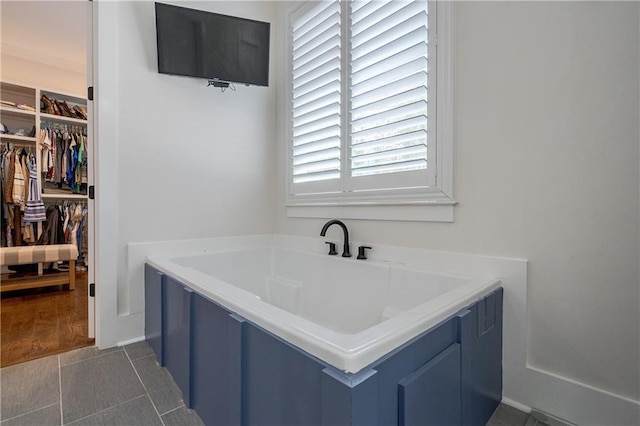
{"x": 345, "y": 249}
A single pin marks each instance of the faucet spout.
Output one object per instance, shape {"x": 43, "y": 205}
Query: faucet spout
{"x": 345, "y": 248}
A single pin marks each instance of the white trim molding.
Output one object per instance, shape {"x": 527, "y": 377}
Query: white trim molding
{"x": 426, "y": 212}
{"x": 526, "y": 386}
{"x": 444, "y": 94}
{"x": 428, "y": 205}
{"x": 105, "y": 66}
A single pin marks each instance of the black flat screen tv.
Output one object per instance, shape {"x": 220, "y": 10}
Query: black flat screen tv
{"x": 209, "y": 45}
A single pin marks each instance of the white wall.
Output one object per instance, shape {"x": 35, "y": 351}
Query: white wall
{"x": 546, "y": 168}
{"x": 177, "y": 160}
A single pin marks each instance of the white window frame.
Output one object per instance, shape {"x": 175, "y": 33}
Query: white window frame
{"x": 433, "y": 203}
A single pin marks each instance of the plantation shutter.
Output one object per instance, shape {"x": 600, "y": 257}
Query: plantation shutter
{"x": 388, "y": 95}
{"x": 316, "y": 100}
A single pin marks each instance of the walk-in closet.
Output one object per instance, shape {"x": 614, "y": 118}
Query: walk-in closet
{"x": 46, "y": 161}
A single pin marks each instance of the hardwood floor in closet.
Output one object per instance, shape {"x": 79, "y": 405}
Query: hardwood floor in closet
{"x": 40, "y": 322}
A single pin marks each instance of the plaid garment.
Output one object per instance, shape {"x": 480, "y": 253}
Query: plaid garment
{"x": 36, "y": 254}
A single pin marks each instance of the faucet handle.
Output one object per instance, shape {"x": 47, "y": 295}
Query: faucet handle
{"x": 362, "y": 253}
{"x": 332, "y": 248}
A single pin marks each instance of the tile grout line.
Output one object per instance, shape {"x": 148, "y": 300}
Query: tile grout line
{"x": 29, "y": 412}
{"x": 106, "y": 409}
{"x": 60, "y": 390}
{"x": 144, "y": 357}
{"x": 59, "y": 384}
{"x": 39, "y": 408}
{"x": 174, "y": 409}
{"x": 92, "y": 357}
{"x": 143, "y": 386}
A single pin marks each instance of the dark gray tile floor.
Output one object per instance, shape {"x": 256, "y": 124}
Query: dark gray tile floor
{"x": 508, "y": 416}
{"x": 115, "y": 387}
{"x": 118, "y": 386}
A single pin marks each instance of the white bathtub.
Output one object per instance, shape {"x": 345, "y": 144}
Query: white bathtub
{"x": 346, "y": 312}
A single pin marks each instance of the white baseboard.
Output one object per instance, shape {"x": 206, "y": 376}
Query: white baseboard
{"x": 516, "y": 405}
{"x": 130, "y": 341}
{"x": 567, "y": 399}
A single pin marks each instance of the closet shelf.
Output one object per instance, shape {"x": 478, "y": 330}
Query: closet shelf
{"x": 16, "y": 111}
{"x": 14, "y": 138}
{"x": 52, "y": 117}
{"x": 17, "y": 90}
{"x": 69, "y": 196}
{"x": 16, "y": 119}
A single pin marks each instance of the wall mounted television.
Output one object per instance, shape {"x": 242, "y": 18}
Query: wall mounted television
{"x": 209, "y": 45}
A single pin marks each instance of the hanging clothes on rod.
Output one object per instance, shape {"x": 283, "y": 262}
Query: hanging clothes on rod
{"x": 63, "y": 157}
{"x": 53, "y": 232}
{"x": 21, "y": 203}
{"x": 67, "y": 224}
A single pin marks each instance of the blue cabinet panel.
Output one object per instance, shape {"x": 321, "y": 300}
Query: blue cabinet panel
{"x": 431, "y": 395}
{"x": 176, "y": 334}
{"x": 215, "y": 393}
{"x": 404, "y": 361}
{"x": 153, "y": 309}
{"x": 481, "y": 364}
{"x": 283, "y": 384}
{"x": 349, "y": 399}
{"x": 236, "y": 363}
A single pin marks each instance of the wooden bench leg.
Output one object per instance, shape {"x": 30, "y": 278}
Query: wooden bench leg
{"x": 72, "y": 274}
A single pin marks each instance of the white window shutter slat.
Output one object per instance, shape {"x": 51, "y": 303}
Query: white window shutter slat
{"x": 384, "y": 104}
{"x": 388, "y": 96}
{"x": 407, "y": 84}
{"x": 306, "y": 108}
{"x": 306, "y": 20}
{"x": 320, "y": 94}
{"x": 361, "y": 9}
{"x": 387, "y": 117}
{"x": 330, "y": 142}
{"x": 315, "y": 138}
{"x": 324, "y": 57}
{"x": 316, "y": 102}
{"x": 403, "y": 57}
{"x": 389, "y": 130}
{"x": 388, "y": 20}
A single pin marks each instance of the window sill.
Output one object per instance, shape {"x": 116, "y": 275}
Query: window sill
{"x": 438, "y": 211}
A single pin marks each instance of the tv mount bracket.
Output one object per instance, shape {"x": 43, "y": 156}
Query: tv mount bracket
{"x": 223, "y": 85}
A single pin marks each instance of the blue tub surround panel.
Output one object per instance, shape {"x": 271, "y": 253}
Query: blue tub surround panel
{"x": 417, "y": 392}
{"x": 233, "y": 372}
{"x": 217, "y": 363}
{"x": 349, "y": 398}
{"x": 480, "y": 331}
{"x": 176, "y": 333}
{"x": 153, "y": 310}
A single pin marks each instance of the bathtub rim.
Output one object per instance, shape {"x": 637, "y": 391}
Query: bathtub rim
{"x": 347, "y": 352}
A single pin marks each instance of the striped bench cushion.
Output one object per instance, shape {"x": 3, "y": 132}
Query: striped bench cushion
{"x": 36, "y": 254}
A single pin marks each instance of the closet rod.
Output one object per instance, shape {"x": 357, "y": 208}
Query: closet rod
{"x": 12, "y": 145}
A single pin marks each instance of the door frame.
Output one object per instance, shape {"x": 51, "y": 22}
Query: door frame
{"x": 90, "y": 177}
{"x": 104, "y": 42}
